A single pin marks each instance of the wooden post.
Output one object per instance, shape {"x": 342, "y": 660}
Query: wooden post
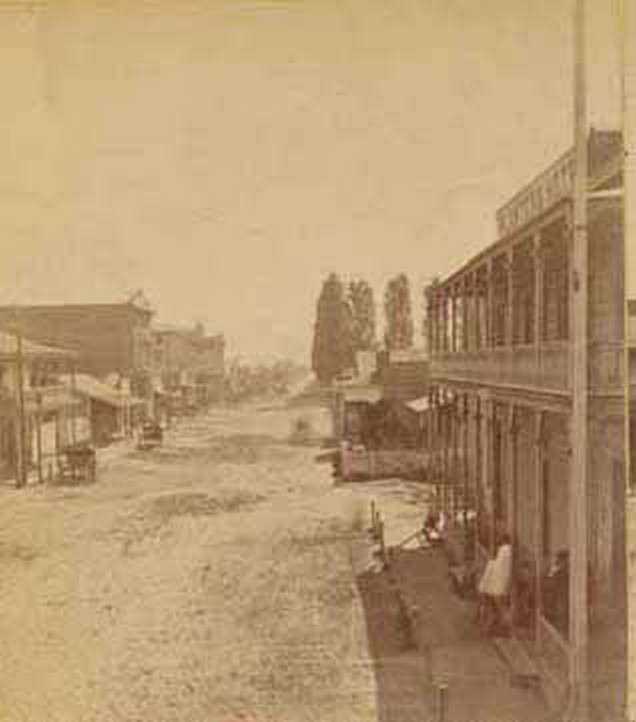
{"x": 73, "y": 400}
{"x": 488, "y": 471}
{"x": 510, "y": 299}
{"x": 445, "y": 444}
{"x": 457, "y": 422}
{"x": 538, "y": 524}
{"x": 488, "y": 335}
{"x": 628, "y": 78}
{"x": 478, "y": 468}
{"x": 38, "y": 431}
{"x": 512, "y": 468}
{"x": 513, "y": 487}
{"x": 578, "y": 487}
{"x": 538, "y": 293}
{"x": 466, "y": 472}
{"x": 21, "y": 475}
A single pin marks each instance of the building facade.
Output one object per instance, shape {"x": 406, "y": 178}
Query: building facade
{"x": 39, "y": 414}
{"x": 190, "y": 363}
{"x": 108, "y": 339}
{"x": 499, "y": 335}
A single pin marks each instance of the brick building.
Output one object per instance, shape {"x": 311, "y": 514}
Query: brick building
{"x": 500, "y": 440}
{"x": 108, "y": 339}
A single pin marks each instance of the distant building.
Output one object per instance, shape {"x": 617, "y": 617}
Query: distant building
{"x": 108, "y": 339}
{"x": 189, "y": 362}
{"x": 112, "y": 413}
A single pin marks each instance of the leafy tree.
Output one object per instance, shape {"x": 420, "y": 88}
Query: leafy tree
{"x": 362, "y": 306}
{"x": 332, "y": 350}
{"x": 399, "y": 318}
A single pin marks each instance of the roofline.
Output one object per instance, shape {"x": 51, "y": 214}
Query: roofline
{"x": 501, "y": 242}
{"x": 41, "y": 306}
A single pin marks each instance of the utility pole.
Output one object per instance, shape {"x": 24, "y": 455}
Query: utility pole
{"x": 578, "y": 487}
{"x": 627, "y": 28}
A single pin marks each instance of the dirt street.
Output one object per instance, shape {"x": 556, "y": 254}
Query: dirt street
{"x": 208, "y": 581}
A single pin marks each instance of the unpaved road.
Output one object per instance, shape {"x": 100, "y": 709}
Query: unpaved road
{"x": 209, "y": 581}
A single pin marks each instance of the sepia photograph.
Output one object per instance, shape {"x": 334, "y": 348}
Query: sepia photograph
{"x": 317, "y": 361}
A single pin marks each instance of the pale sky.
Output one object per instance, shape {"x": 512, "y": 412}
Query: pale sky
{"x": 224, "y": 156}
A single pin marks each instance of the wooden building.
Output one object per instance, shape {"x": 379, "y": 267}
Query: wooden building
{"x": 501, "y": 392}
{"x": 39, "y": 415}
{"x": 111, "y": 338}
{"x": 111, "y": 413}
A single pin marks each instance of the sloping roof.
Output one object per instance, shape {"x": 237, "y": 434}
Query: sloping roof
{"x": 88, "y": 385}
{"x": 30, "y": 349}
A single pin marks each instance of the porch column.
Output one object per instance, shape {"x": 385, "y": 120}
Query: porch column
{"x": 488, "y": 472}
{"x": 538, "y": 292}
{"x": 538, "y": 522}
{"x": 466, "y": 472}
{"x": 512, "y": 468}
{"x": 443, "y": 321}
{"x": 445, "y": 445}
{"x": 437, "y": 450}
{"x": 510, "y": 317}
{"x": 489, "y": 308}
{"x": 20, "y": 417}
{"x": 455, "y": 436}
{"x": 73, "y": 400}
{"x": 38, "y": 437}
{"x": 453, "y": 319}
{"x": 512, "y": 478}
{"x": 478, "y": 465}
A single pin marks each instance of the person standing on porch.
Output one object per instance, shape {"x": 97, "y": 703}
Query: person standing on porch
{"x": 494, "y": 587}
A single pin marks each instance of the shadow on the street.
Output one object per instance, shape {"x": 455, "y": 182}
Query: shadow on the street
{"x": 401, "y": 671}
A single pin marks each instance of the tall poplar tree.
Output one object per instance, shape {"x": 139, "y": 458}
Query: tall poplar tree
{"x": 399, "y": 317}
{"x": 362, "y": 306}
{"x": 332, "y": 350}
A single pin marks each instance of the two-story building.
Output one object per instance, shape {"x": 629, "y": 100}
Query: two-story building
{"x": 500, "y": 341}
{"x": 109, "y": 340}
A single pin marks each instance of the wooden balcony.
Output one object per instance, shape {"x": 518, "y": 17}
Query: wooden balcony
{"x": 542, "y": 368}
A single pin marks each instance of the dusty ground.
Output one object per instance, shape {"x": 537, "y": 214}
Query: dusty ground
{"x": 208, "y": 581}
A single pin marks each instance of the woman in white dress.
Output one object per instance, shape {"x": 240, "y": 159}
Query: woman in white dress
{"x": 494, "y": 586}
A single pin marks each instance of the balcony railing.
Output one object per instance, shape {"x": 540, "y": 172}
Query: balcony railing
{"x": 544, "y": 367}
